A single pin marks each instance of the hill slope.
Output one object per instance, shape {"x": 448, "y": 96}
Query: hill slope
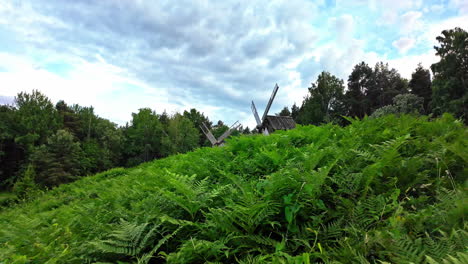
{"x": 389, "y": 189}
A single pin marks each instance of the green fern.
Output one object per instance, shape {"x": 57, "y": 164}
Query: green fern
{"x": 458, "y": 258}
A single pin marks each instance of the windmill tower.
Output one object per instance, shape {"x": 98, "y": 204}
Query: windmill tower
{"x": 270, "y": 123}
{"x": 220, "y": 140}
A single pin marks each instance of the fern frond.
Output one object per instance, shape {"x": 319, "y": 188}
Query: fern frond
{"x": 459, "y": 258}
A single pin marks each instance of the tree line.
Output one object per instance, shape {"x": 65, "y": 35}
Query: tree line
{"x": 380, "y": 90}
{"x": 42, "y": 144}
{"x": 46, "y": 145}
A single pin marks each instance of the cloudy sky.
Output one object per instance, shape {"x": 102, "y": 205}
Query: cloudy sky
{"x": 216, "y": 56}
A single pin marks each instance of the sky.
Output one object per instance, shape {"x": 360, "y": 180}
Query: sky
{"x": 215, "y": 56}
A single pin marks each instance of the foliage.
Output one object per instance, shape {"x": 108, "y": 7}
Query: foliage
{"x": 143, "y": 137}
{"x": 86, "y": 143}
{"x": 197, "y": 119}
{"x": 284, "y": 112}
{"x": 26, "y": 187}
{"x": 420, "y": 85}
{"x": 324, "y": 101}
{"x": 359, "y": 83}
{"x": 386, "y": 84}
{"x": 36, "y": 118}
{"x": 384, "y": 190}
{"x": 450, "y": 83}
{"x": 58, "y": 161}
{"x": 183, "y": 136}
{"x": 402, "y": 104}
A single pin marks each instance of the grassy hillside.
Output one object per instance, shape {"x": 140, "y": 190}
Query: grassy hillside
{"x": 387, "y": 190}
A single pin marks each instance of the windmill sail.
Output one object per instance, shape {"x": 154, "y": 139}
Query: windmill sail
{"x": 273, "y": 94}
{"x": 208, "y": 134}
{"x": 254, "y": 111}
{"x": 228, "y": 132}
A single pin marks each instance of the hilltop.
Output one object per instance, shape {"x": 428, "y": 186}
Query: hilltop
{"x": 390, "y": 189}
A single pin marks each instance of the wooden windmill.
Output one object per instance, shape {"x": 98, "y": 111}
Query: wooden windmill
{"x": 220, "y": 140}
{"x": 270, "y": 123}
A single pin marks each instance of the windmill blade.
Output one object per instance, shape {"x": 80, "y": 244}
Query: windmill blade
{"x": 228, "y": 132}
{"x": 270, "y": 102}
{"x": 208, "y": 134}
{"x": 254, "y": 111}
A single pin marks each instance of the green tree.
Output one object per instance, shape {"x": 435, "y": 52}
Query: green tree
{"x": 402, "y": 104}
{"x": 183, "y": 135}
{"x": 69, "y": 119}
{"x": 88, "y": 121}
{"x": 59, "y": 160}
{"x": 386, "y": 84}
{"x": 449, "y": 87}
{"x": 324, "y": 102}
{"x": 295, "y": 111}
{"x": 219, "y": 129}
{"x": 197, "y": 119}
{"x": 35, "y": 119}
{"x": 11, "y": 153}
{"x": 420, "y": 85}
{"x": 143, "y": 138}
{"x": 26, "y": 186}
{"x": 284, "y": 112}
{"x": 359, "y": 83}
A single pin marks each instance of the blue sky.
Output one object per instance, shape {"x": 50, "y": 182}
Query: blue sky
{"x": 215, "y": 56}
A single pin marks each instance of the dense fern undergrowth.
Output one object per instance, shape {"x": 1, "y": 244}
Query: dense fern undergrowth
{"x": 386, "y": 190}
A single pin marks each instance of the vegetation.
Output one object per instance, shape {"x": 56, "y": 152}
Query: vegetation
{"x": 375, "y": 91}
{"x": 383, "y": 190}
{"x": 63, "y": 143}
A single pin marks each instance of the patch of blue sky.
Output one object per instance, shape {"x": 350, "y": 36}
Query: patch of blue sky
{"x": 58, "y": 68}
{"x": 8, "y": 42}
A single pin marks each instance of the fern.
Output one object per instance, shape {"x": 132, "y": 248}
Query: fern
{"x": 127, "y": 239}
{"x": 459, "y": 258}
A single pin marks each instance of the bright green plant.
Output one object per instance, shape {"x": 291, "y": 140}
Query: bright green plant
{"x": 383, "y": 190}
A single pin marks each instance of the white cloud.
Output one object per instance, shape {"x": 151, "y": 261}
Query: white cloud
{"x": 460, "y": 5}
{"x": 403, "y": 44}
{"x": 409, "y": 21}
{"x": 344, "y": 27}
{"x": 434, "y": 30}
{"x": 406, "y": 65}
{"x": 392, "y": 8}
{"x": 436, "y": 8}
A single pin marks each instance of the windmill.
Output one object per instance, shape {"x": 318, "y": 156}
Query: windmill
{"x": 220, "y": 140}
{"x": 270, "y": 123}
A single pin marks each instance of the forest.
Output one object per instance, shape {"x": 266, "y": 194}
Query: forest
{"x": 375, "y": 172}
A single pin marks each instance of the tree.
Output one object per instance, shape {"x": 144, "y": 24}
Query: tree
{"x": 219, "y": 129}
{"x": 59, "y": 160}
{"x": 143, "y": 138}
{"x": 68, "y": 118}
{"x": 11, "y": 153}
{"x": 295, "y": 111}
{"x": 87, "y": 122}
{"x": 420, "y": 85}
{"x": 359, "y": 83}
{"x": 197, "y": 119}
{"x": 402, "y": 104}
{"x": 164, "y": 119}
{"x": 386, "y": 84}
{"x": 450, "y": 84}
{"x": 26, "y": 186}
{"x": 183, "y": 135}
{"x": 35, "y": 119}
{"x": 324, "y": 102}
{"x": 284, "y": 112}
